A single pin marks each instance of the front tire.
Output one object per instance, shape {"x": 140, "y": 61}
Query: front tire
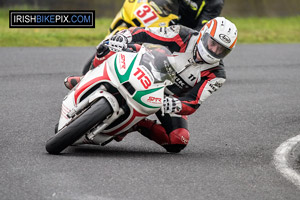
{"x": 74, "y": 131}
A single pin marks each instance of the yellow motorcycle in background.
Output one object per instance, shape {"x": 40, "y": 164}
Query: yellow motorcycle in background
{"x": 142, "y": 13}
{"x": 145, "y": 13}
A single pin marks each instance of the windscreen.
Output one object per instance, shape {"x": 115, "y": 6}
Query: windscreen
{"x": 157, "y": 60}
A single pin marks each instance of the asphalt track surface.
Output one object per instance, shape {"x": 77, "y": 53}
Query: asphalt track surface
{"x": 230, "y": 155}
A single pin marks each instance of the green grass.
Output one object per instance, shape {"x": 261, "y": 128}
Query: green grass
{"x": 268, "y": 30}
{"x": 53, "y": 36}
{"x": 251, "y": 30}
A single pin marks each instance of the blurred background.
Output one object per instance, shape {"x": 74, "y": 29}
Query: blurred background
{"x": 258, "y": 21}
{"x": 232, "y": 8}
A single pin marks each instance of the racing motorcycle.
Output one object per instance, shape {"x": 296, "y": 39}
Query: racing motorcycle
{"x": 141, "y": 13}
{"x": 145, "y": 13}
{"x": 113, "y": 97}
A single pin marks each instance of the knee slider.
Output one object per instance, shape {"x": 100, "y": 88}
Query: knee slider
{"x": 179, "y": 136}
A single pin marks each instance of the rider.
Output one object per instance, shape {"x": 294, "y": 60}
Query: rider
{"x": 199, "y": 73}
{"x": 195, "y": 13}
{"x": 192, "y": 14}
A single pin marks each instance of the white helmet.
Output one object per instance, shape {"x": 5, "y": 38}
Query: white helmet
{"x": 216, "y": 39}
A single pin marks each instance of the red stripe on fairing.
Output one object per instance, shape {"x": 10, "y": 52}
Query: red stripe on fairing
{"x": 64, "y": 111}
{"x": 134, "y": 115}
{"x": 176, "y": 39}
{"x": 65, "y": 108}
{"x": 65, "y": 116}
{"x": 79, "y": 91}
{"x": 99, "y": 61}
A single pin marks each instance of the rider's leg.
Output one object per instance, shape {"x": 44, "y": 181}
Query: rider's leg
{"x": 102, "y": 54}
{"x": 172, "y": 134}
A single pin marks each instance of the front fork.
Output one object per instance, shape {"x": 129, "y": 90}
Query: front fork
{"x": 117, "y": 112}
{"x": 101, "y": 138}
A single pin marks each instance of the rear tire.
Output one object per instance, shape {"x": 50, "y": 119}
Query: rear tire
{"x": 74, "y": 131}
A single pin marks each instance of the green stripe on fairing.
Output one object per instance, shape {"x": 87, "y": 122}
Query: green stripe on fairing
{"x": 125, "y": 77}
{"x": 139, "y": 94}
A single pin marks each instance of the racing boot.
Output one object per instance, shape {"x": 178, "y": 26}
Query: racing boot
{"x": 71, "y": 81}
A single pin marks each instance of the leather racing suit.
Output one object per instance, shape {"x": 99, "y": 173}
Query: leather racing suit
{"x": 194, "y": 83}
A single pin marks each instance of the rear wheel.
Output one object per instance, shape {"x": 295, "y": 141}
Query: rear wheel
{"x": 71, "y": 133}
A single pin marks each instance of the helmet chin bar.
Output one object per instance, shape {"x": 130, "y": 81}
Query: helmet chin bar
{"x": 202, "y": 60}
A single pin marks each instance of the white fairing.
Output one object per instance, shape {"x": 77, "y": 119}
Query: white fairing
{"x": 119, "y": 70}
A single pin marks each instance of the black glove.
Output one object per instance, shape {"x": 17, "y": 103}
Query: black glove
{"x": 102, "y": 49}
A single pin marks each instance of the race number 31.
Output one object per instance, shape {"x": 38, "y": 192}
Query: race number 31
{"x": 146, "y": 14}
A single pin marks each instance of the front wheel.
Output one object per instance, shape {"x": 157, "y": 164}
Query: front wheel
{"x": 74, "y": 131}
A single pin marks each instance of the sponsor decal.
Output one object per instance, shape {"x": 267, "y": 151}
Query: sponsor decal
{"x": 179, "y": 82}
{"x": 122, "y": 61}
{"x": 154, "y": 100}
{"x": 224, "y": 38}
{"x": 214, "y": 86}
{"x": 185, "y": 141}
{"x": 218, "y": 84}
{"x": 125, "y": 77}
{"x": 51, "y": 19}
{"x": 192, "y": 77}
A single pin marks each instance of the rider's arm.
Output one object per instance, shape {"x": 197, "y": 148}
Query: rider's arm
{"x": 211, "y": 81}
{"x": 211, "y": 10}
{"x": 105, "y": 53}
{"x": 175, "y": 37}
